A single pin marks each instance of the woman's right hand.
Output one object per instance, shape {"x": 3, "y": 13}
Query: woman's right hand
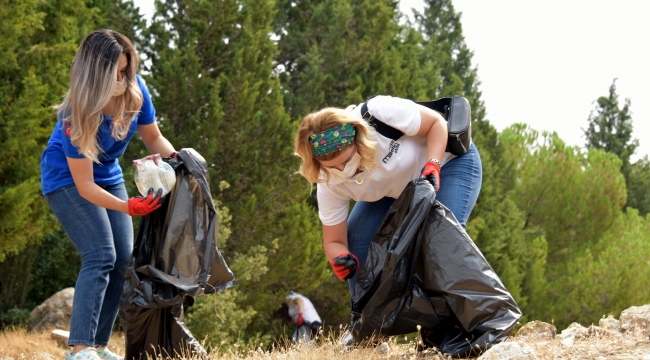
{"x": 141, "y": 206}
{"x": 345, "y": 265}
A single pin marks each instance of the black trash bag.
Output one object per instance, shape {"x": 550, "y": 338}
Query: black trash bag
{"x": 423, "y": 269}
{"x": 175, "y": 258}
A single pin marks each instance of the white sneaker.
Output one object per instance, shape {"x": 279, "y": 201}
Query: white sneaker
{"x": 89, "y": 353}
{"x": 106, "y": 354}
{"x": 347, "y": 339}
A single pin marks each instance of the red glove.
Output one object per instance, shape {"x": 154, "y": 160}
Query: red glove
{"x": 345, "y": 265}
{"x": 300, "y": 321}
{"x": 139, "y": 206}
{"x": 174, "y": 155}
{"x": 431, "y": 172}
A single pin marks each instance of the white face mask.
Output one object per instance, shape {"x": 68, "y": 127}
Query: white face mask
{"x": 120, "y": 87}
{"x": 350, "y": 168}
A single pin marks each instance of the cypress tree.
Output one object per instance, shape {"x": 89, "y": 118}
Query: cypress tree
{"x": 336, "y": 52}
{"x": 445, "y": 46}
{"x": 215, "y": 91}
{"x": 39, "y": 39}
{"x": 119, "y": 15}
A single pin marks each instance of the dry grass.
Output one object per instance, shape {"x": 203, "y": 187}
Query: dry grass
{"x": 18, "y": 344}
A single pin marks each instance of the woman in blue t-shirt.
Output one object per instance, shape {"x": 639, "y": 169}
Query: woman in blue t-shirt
{"x": 83, "y": 183}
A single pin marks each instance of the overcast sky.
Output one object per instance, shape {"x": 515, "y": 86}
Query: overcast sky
{"x": 544, "y": 63}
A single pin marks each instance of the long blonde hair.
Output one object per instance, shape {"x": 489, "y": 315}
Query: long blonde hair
{"x": 92, "y": 80}
{"x": 322, "y": 120}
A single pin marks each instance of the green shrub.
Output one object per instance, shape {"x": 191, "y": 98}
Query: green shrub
{"x": 15, "y": 317}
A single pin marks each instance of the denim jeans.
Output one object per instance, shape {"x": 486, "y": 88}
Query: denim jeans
{"x": 460, "y": 184}
{"x": 104, "y": 239}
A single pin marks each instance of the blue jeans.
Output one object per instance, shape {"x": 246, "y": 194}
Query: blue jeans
{"x": 104, "y": 239}
{"x": 460, "y": 184}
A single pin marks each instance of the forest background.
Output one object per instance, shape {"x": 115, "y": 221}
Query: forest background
{"x": 565, "y": 227}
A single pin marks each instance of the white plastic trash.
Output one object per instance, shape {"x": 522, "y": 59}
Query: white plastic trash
{"x": 152, "y": 172}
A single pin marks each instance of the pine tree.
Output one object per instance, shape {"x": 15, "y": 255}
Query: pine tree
{"x": 571, "y": 204}
{"x": 610, "y": 128}
{"x": 638, "y": 186}
{"x": 214, "y": 90}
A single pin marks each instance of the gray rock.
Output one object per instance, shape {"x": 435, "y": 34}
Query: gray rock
{"x": 510, "y": 350}
{"x": 537, "y": 330}
{"x": 636, "y": 320}
{"x": 609, "y": 323}
{"x": 54, "y": 312}
{"x": 573, "y": 332}
{"x": 60, "y": 337}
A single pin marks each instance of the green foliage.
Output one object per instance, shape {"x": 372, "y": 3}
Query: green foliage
{"x": 219, "y": 319}
{"x": 38, "y": 42}
{"x": 605, "y": 279}
{"x": 497, "y": 224}
{"x": 338, "y": 52}
{"x": 38, "y": 272}
{"x": 15, "y": 278}
{"x": 573, "y": 197}
{"x": 15, "y": 318}
{"x": 221, "y": 322}
{"x": 55, "y": 267}
{"x": 214, "y": 90}
{"x": 24, "y": 120}
{"x": 588, "y": 256}
{"x": 445, "y": 47}
{"x": 638, "y": 186}
{"x": 610, "y": 127}
{"x": 119, "y": 15}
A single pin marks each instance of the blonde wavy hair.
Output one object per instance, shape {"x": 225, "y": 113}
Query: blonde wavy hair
{"x": 322, "y": 120}
{"x": 93, "y": 74}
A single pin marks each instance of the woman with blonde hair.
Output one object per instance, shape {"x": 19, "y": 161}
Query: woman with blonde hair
{"x": 349, "y": 160}
{"x": 83, "y": 184}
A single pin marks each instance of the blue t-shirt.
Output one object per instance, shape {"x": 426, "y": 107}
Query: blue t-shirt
{"x": 55, "y": 172}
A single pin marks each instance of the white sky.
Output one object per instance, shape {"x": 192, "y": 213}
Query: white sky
{"x": 545, "y": 63}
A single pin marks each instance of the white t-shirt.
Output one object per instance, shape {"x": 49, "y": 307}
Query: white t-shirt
{"x": 309, "y": 314}
{"x": 398, "y": 162}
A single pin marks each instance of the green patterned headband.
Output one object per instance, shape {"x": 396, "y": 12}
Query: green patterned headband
{"x": 332, "y": 139}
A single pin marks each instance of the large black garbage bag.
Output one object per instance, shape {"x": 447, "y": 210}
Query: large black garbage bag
{"x": 423, "y": 269}
{"x": 175, "y": 258}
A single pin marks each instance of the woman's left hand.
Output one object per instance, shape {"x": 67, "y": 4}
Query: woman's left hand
{"x": 431, "y": 172}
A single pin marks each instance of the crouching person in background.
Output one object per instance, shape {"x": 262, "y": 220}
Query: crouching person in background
{"x": 304, "y": 316}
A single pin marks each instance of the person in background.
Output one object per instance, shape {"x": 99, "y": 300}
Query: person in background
{"x": 304, "y": 316}
{"x": 81, "y": 179}
{"x": 349, "y": 160}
